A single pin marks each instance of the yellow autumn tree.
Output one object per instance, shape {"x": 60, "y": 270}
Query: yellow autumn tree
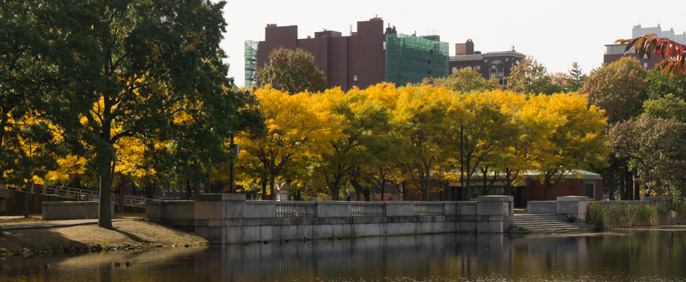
{"x": 571, "y": 135}
{"x": 297, "y": 126}
{"x": 423, "y": 119}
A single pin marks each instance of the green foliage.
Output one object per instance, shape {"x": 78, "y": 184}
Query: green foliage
{"x": 667, "y": 107}
{"x": 577, "y": 78}
{"x": 531, "y": 77}
{"x": 661, "y": 84}
{"x": 619, "y": 88}
{"x": 654, "y": 147}
{"x": 292, "y": 71}
{"x": 109, "y": 71}
{"x": 465, "y": 80}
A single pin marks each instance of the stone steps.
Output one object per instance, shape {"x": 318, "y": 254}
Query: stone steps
{"x": 549, "y": 223}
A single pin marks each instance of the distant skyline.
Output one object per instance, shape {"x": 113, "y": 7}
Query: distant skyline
{"x": 555, "y": 33}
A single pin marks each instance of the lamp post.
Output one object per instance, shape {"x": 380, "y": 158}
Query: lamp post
{"x": 234, "y": 149}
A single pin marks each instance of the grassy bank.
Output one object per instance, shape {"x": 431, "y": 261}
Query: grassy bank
{"x": 622, "y": 215}
{"x": 130, "y": 234}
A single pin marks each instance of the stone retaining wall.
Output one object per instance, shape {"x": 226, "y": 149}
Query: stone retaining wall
{"x": 229, "y": 218}
{"x": 55, "y": 210}
{"x": 174, "y": 213}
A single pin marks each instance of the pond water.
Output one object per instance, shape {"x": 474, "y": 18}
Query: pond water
{"x": 635, "y": 256}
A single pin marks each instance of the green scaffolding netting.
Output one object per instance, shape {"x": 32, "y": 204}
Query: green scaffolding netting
{"x": 250, "y": 56}
{"x": 410, "y": 59}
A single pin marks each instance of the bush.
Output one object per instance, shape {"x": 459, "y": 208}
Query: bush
{"x": 603, "y": 215}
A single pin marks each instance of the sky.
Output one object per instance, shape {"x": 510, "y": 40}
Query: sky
{"x": 556, "y": 33}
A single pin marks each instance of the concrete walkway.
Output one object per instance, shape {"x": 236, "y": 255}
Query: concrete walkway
{"x": 57, "y": 224}
{"x": 549, "y": 223}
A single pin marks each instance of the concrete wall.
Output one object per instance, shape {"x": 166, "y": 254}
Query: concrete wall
{"x": 576, "y": 206}
{"x": 71, "y": 210}
{"x": 541, "y": 207}
{"x": 174, "y": 213}
{"x": 229, "y": 218}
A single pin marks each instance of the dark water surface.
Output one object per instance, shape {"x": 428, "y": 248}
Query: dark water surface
{"x": 634, "y": 256}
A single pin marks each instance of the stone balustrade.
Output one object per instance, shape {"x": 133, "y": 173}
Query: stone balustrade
{"x": 229, "y": 218}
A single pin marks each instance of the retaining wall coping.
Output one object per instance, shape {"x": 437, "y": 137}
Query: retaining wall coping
{"x": 70, "y": 203}
{"x": 220, "y": 197}
{"x": 572, "y": 198}
{"x": 494, "y": 198}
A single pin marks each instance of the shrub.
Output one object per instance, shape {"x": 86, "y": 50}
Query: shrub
{"x": 603, "y": 215}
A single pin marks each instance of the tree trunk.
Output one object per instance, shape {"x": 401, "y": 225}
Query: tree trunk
{"x": 105, "y": 215}
{"x": 637, "y": 190}
{"x": 272, "y": 184}
{"x": 622, "y": 185}
{"x": 547, "y": 187}
{"x": 425, "y": 190}
{"x": 264, "y": 189}
{"x": 26, "y": 201}
{"x": 188, "y": 189}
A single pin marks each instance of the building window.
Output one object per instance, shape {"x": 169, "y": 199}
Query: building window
{"x": 354, "y": 77}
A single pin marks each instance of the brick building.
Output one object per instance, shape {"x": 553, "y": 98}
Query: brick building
{"x": 489, "y": 65}
{"x": 366, "y": 57}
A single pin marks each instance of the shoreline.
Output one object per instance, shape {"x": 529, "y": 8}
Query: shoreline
{"x": 86, "y": 237}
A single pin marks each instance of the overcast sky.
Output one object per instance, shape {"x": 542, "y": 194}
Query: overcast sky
{"x": 556, "y": 33}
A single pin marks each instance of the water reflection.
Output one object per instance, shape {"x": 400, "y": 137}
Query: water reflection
{"x": 655, "y": 256}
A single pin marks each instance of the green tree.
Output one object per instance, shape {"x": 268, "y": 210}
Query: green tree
{"x": 531, "y": 77}
{"x": 667, "y": 107}
{"x": 577, "y": 79}
{"x": 292, "y": 71}
{"x": 23, "y": 78}
{"x": 465, "y": 80}
{"x": 619, "y": 88}
{"x": 661, "y": 84}
{"x": 125, "y": 69}
{"x": 653, "y": 148}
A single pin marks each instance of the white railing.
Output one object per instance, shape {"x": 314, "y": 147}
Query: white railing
{"x": 303, "y": 209}
{"x": 430, "y": 209}
{"x": 367, "y": 209}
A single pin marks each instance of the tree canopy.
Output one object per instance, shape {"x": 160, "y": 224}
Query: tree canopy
{"x": 110, "y": 72}
{"x": 292, "y": 71}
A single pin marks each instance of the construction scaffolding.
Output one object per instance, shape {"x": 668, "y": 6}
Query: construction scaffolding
{"x": 410, "y": 59}
{"x": 250, "y": 55}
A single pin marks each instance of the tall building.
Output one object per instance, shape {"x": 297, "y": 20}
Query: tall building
{"x": 489, "y": 65}
{"x": 614, "y": 52}
{"x": 365, "y": 57}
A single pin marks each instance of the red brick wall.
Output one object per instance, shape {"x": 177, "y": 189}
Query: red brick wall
{"x": 567, "y": 187}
